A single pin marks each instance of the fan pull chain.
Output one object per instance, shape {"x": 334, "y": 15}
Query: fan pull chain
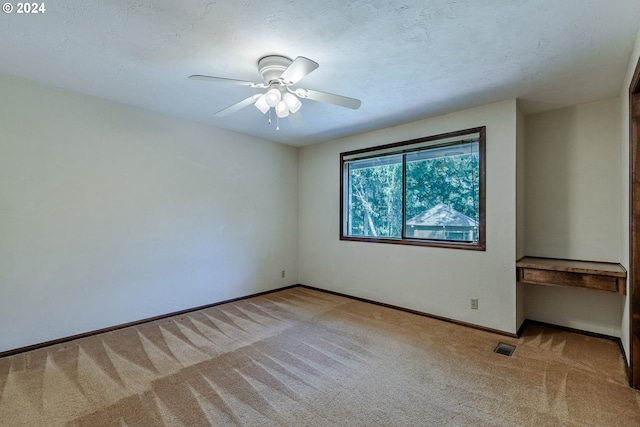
{"x": 277, "y": 120}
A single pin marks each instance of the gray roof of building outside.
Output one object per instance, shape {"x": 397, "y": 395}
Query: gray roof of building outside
{"x": 442, "y": 215}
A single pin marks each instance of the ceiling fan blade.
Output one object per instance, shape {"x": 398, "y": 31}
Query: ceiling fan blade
{"x": 330, "y": 98}
{"x": 296, "y": 119}
{"x": 238, "y": 106}
{"x": 225, "y": 80}
{"x": 299, "y": 68}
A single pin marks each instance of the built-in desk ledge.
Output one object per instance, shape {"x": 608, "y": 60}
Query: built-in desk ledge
{"x": 601, "y": 276}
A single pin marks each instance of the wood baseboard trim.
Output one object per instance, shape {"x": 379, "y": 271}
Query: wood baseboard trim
{"x": 575, "y": 331}
{"x": 482, "y": 328}
{"x": 521, "y": 328}
{"x": 589, "y": 334}
{"x": 134, "y": 323}
{"x": 419, "y": 313}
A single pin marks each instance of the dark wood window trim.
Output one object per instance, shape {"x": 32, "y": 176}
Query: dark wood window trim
{"x": 399, "y": 147}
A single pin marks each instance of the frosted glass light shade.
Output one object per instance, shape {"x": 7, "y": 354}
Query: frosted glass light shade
{"x": 292, "y": 101}
{"x": 261, "y": 104}
{"x": 272, "y": 97}
{"x": 282, "y": 110}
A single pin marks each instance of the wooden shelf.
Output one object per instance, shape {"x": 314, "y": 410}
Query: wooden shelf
{"x": 601, "y": 276}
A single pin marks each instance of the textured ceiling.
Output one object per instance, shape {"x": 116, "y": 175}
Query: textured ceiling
{"x": 405, "y": 60}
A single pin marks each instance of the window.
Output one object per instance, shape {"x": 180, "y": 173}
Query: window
{"x": 427, "y": 191}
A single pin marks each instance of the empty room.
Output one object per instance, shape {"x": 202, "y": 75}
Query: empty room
{"x": 297, "y": 213}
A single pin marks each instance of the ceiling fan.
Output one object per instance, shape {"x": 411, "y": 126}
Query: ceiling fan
{"x": 280, "y": 74}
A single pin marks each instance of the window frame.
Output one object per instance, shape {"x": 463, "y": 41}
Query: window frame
{"x": 413, "y": 145}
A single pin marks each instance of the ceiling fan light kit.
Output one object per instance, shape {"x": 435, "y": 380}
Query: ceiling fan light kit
{"x": 292, "y": 101}
{"x": 261, "y": 104}
{"x": 273, "y": 97}
{"x": 282, "y": 110}
{"x": 279, "y": 74}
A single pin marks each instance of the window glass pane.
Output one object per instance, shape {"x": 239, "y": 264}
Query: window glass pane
{"x": 442, "y": 193}
{"x": 375, "y": 197}
{"x": 427, "y": 191}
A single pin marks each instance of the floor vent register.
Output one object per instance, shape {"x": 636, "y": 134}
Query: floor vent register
{"x": 505, "y": 349}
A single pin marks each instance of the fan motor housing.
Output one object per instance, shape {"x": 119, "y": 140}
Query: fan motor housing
{"x": 272, "y": 66}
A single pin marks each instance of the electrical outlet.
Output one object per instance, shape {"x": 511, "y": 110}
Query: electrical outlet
{"x": 474, "y": 303}
{"x": 282, "y": 274}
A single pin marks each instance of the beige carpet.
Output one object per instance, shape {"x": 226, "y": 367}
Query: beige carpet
{"x": 300, "y": 357}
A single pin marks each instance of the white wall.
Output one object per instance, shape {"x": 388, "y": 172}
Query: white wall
{"x": 624, "y": 185}
{"x": 111, "y": 214}
{"x": 572, "y": 182}
{"x": 573, "y": 200}
{"x": 433, "y": 280}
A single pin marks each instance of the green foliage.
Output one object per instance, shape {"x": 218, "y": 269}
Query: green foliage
{"x": 452, "y": 180}
{"x": 375, "y": 206}
{"x": 376, "y": 201}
